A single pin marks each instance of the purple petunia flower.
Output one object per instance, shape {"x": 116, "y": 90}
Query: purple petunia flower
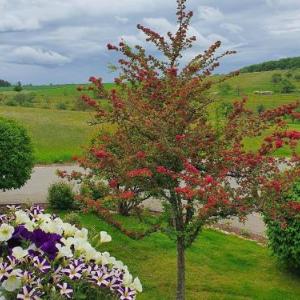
{"x": 65, "y": 290}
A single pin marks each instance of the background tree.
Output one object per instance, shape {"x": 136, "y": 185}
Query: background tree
{"x": 276, "y": 78}
{"x": 18, "y": 87}
{"x": 4, "y": 83}
{"x": 166, "y": 145}
{"x": 286, "y": 87}
{"x": 16, "y": 155}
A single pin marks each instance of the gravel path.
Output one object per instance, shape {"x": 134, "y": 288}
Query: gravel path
{"x": 35, "y": 191}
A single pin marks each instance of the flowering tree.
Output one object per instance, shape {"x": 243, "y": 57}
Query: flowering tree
{"x": 167, "y": 145}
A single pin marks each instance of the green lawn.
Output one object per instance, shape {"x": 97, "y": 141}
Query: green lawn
{"x": 218, "y": 266}
{"x": 57, "y": 135}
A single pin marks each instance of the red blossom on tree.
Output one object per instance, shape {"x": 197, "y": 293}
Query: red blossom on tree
{"x": 201, "y": 169}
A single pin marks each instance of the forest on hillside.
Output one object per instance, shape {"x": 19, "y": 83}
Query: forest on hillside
{"x": 281, "y": 64}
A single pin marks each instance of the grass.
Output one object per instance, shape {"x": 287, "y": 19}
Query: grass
{"x": 59, "y": 134}
{"x": 218, "y": 266}
{"x": 56, "y": 135}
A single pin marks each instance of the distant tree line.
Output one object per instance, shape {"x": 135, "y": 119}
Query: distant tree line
{"x": 281, "y": 64}
{"x": 4, "y": 83}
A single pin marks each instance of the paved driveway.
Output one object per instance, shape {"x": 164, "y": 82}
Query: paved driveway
{"x": 35, "y": 191}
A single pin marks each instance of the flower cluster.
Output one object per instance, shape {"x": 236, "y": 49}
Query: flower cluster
{"x": 41, "y": 256}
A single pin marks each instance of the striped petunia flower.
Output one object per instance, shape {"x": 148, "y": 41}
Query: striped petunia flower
{"x": 65, "y": 290}
{"x": 28, "y": 293}
{"x": 126, "y": 293}
{"x": 5, "y": 270}
{"x": 42, "y": 264}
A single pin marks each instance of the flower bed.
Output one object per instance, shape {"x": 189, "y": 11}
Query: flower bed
{"x": 41, "y": 257}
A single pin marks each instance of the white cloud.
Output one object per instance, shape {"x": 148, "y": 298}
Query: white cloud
{"x": 210, "y": 14}
{"x": 15, "y": 23}
{"x": 36, "y": 56}
{"x": 232, "y": 28}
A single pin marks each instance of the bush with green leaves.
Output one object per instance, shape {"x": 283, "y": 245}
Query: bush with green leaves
{"x": 21, "y": 99}
{"x": 276, "y": 78}
{"x": 286, "y": 87}
{"x": 284, "y": 233}
{"x": 61, "y": 196}
{"x": 16, "y": 155}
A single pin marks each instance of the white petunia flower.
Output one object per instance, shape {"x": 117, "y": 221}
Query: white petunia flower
{"x": 63, "y": 251}
{"x": 12, "y": 283}
{"x": 83, "y": 234}
{"x": 104, "y": 237}
{"x": 127, "y": 279}
{"x": 137, "y": 285}
{"x": 69, "y": 230}
{"x": 22, "y": 217}
{"x": 6, "y": 232}
{"x": 19, "y": 253}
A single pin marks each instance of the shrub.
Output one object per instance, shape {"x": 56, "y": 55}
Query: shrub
{"x": 297, "y": 77}
{"x": 61, "y": 105}
{"x": 260, "y": 108}
{"x": 286, "y": 87}
{"x": 276, "y": 78}
{"x": 18, "y": 87}
{"x": 16, "y": 155}
{"x": 21, "y": 99}
{"x": 284, "y": 234}
{"x": 61, "y": 196}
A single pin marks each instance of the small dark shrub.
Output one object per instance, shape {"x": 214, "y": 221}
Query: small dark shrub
{"x": 61, "y": 196}
{"x": 284, "y": 238}
{"x": 260, "y": 108}
{"x": 276, "y": 78}
{"x": 16, "y": 155}
{"x": 297, "y": 77}
{"x": 61, "y": 105}
{"x": 18, "y": 87}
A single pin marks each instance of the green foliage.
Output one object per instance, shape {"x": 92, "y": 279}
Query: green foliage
{"x": 61, "y": 105}
{"x": 227, "y": 262}
{"x": 260, "y": 108}
{"x": 284, "y": 238}
{"x": 94, "y": 190}
{"x": 276, "y": 78}
{"x": 224, "y": 88}
{"x": 16, "y": 155}
{"x": 289, "y": 75}
{"x": 73, "y": 218}
{"x": 4, "y": 83}
{"x": 282, "y": 64}
{"x": 61, "y": 196}
{"x": 297, "y": 77}
{"x": 18, "y": 87}
{"x": 286, "y": 87}
{"x": 21, "y": 99}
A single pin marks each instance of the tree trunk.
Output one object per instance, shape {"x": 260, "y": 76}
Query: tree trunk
{"x": 180, "y": 293}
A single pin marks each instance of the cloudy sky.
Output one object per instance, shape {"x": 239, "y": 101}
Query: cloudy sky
{"x": 63, "y": 41}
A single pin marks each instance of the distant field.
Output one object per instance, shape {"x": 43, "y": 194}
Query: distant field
{"x": 56, "y": 135}
{"x": 58, "y": 132}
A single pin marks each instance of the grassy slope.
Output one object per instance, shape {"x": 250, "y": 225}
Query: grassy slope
{"x": 218, "y": 266}
{"x": 60, "y": 134}
{"x": 56, "y": 135}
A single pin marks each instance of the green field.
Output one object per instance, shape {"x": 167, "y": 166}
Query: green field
{"x": 57, "y": 135}
{"x": 218, "y": 266}
{"x": 59, "y": 129}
